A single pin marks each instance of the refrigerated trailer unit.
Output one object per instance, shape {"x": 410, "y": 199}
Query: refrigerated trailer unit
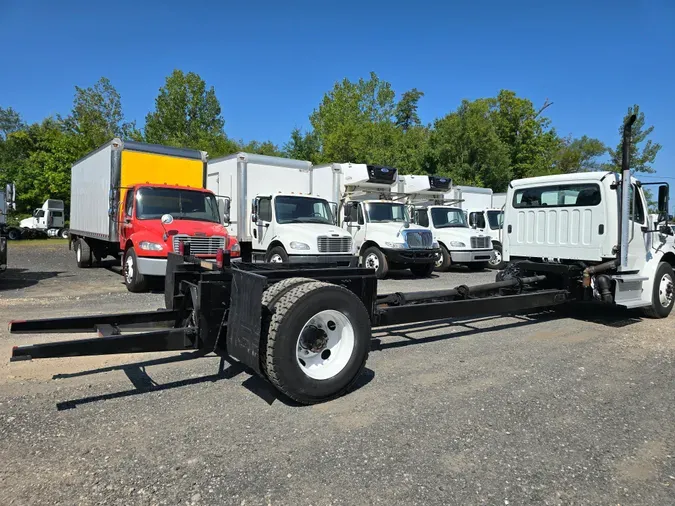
{"x": 307, "y": 329}
{"x": 284, "y": 219}
{"x": 139, "y": 202}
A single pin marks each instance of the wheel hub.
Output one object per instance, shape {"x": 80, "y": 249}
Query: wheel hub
{"x": 276, "y": 259}
{"x": 313, "y": 339}
{"x": 666, "y": 291}
{"x": 372, "y": 262}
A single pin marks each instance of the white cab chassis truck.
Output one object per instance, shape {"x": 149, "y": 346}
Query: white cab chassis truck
{"x": 384, "y": 237}
{"x": 50, "y": 218}
{"x": 574, "y": 223}
{"x": 284, "y": 221}
{"x": 459, "y": 244}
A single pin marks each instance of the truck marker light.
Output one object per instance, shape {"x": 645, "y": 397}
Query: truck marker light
{"x": 220, "y": 258}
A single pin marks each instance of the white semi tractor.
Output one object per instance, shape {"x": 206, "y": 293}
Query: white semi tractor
{"x": 377, "y": 218}
{"x": 50, "y": 218}
{"x": 285, "y": 219}
{"x": 459, "y": 244}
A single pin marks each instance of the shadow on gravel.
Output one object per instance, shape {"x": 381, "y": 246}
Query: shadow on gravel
{"x": 15, "y": 279}
{"x": 143, "y": 383}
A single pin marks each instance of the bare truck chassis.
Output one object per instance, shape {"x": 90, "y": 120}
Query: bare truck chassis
{"x": 258, "y": 314}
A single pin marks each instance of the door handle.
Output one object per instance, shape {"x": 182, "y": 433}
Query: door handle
{"x": 508, "y": 229}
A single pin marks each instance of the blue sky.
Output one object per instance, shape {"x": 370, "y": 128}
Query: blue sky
{"x": 271, "y": 61}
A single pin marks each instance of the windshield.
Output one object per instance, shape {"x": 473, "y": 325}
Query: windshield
{"x": 152, "y": 203}
{"x": 302, "y": 210}
{"x": 496, "y": 219}
{"x": 382, "y": 212}
{"x": 446, "y": 218}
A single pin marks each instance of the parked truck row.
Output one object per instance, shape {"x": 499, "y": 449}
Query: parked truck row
{"x": 307, "y": 327}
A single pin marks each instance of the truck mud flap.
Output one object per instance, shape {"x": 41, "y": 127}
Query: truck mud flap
{"x": 244, "y": 319}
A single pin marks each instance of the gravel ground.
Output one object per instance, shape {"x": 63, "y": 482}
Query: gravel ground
{"x": 557, "y": 407}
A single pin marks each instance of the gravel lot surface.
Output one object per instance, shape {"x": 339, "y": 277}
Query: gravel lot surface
{"x": 564, "y": 407}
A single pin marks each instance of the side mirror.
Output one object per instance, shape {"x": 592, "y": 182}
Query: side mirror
{"x": 167, "y": 219}
{"x": 663, "y": 199}
{"x": 224, "y": 209}
{"x": 254, "y": 218}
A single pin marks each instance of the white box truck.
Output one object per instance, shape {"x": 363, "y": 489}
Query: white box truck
{"x": 459, "y": 243}
{"x": 369, "y": 208}
{"x": 283, "y": 221}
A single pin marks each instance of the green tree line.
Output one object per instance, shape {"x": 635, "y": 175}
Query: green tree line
{"x": 484, "y": 142}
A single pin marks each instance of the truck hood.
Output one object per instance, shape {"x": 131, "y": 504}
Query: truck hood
{"x": 26, "y": 223}
{"x": 393, "y": 229}
{"x": 305, "y": 232}
{"x": 181, "y": 227}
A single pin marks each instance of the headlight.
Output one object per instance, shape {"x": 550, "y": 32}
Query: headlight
{"x": 151, "y": 246}
{"x": 457, "y": 244}
{"x": 299, "y": 245}
{"x": 395, "y": 245}
{"x": 435, "y": 245}
{"x": 235, "y": 248}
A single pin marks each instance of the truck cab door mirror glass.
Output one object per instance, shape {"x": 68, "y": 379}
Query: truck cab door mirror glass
{"x": 167, "y": 219}
{"x": 663, "y": 199}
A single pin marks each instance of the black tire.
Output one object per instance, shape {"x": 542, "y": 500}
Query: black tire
{"x": 14, "y": 234}
{"x": 445, "y": 260}
{"x": 663, "y": 287}
{"x": 276, "y": 252}
{"x": 381, "y": 266}
{"x": 494, "y": 264}
{"x": 82, "y": 254}
{"x": 422, "y": 270}
{"x": 477, "y": 266}
{"x": 290, "y": 313}
{"x": 134, "y": 280}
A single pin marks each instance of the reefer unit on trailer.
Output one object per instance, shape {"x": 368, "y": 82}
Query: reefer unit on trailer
{"x": 283, "y": 220}
{"x": 141, "y": 201}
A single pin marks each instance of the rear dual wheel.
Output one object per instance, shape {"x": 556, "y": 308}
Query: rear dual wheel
{"x": 315, "y": 339}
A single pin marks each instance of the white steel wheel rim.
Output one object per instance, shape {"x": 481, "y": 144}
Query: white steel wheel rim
{"x": 372, "y": 262}
{"x": 129, "y": 270}
{"x": 666, "y": 290}
{"x": 78, "y": 253}
{"x": 496, "y": 257}
{"x": 276, "y": 259}
{"x": 439, "y": 259}
{"x": 324, "y": 359}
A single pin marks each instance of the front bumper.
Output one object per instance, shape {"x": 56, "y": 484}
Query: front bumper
{"x": 411, "y": 256}
{"x": 469, "y": 256}
{"x": 152, "y": 266}
{"x": 346, "y": 260}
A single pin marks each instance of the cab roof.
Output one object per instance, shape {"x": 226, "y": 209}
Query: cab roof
{"x": 564, "y": 178}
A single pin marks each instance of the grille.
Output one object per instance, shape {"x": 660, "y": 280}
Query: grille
{"x": 200, "y": 245}
{"x": 419, "y": 238}
{"x": 480, "y": 242}
{"x": 334, "y": 244}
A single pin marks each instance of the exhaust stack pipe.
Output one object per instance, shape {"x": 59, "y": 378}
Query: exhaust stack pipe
{"x": 625, "y": 192}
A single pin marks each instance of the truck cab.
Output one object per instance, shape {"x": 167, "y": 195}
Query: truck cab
{"x": 49, "y": 218}
{"x": 296, "y": 228}
{"x": 489, "y": 221}
{"x": 427, "y": 198}
{"x": 575, "y": 219}
{"x": 155, "y": 219}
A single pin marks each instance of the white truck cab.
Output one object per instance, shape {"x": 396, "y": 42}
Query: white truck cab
{"x": 576, "y": 219}
{"x": 384, "y": 237}
{"x": 282, "y": 219}
{"x": 489, "y": 221}
{"x": 50, "y": 218}
{"x": 459, "y": 244}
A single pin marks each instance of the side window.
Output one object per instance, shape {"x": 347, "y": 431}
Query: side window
{"x": 359, "y": 215}
{"x": 129, "y": 203}
{"x": 40, "y": 214}
{"x": 477, "y": 219}
{"x": 637, "y": 208}
{"x": 422, "y": 217}
{"x": 265, "y": 209}
{"x": 57, "y": 214}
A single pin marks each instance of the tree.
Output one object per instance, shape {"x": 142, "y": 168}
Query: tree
{"x": 261, "y": 148}
{"x": 406, "y": 110}
{"x": 643, "y": 151}
{"x": 188, "y": 114}
{"x": 580, "y": 155}
{"x": 302, "y": 146}
{"x": 97, "y": 117}
{"x": 10, "y": 121}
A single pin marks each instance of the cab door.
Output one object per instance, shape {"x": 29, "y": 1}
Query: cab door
{"x": 261, "y": 228}
{"x": 126, "y": 224}
{"x": 638, "y": 241}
